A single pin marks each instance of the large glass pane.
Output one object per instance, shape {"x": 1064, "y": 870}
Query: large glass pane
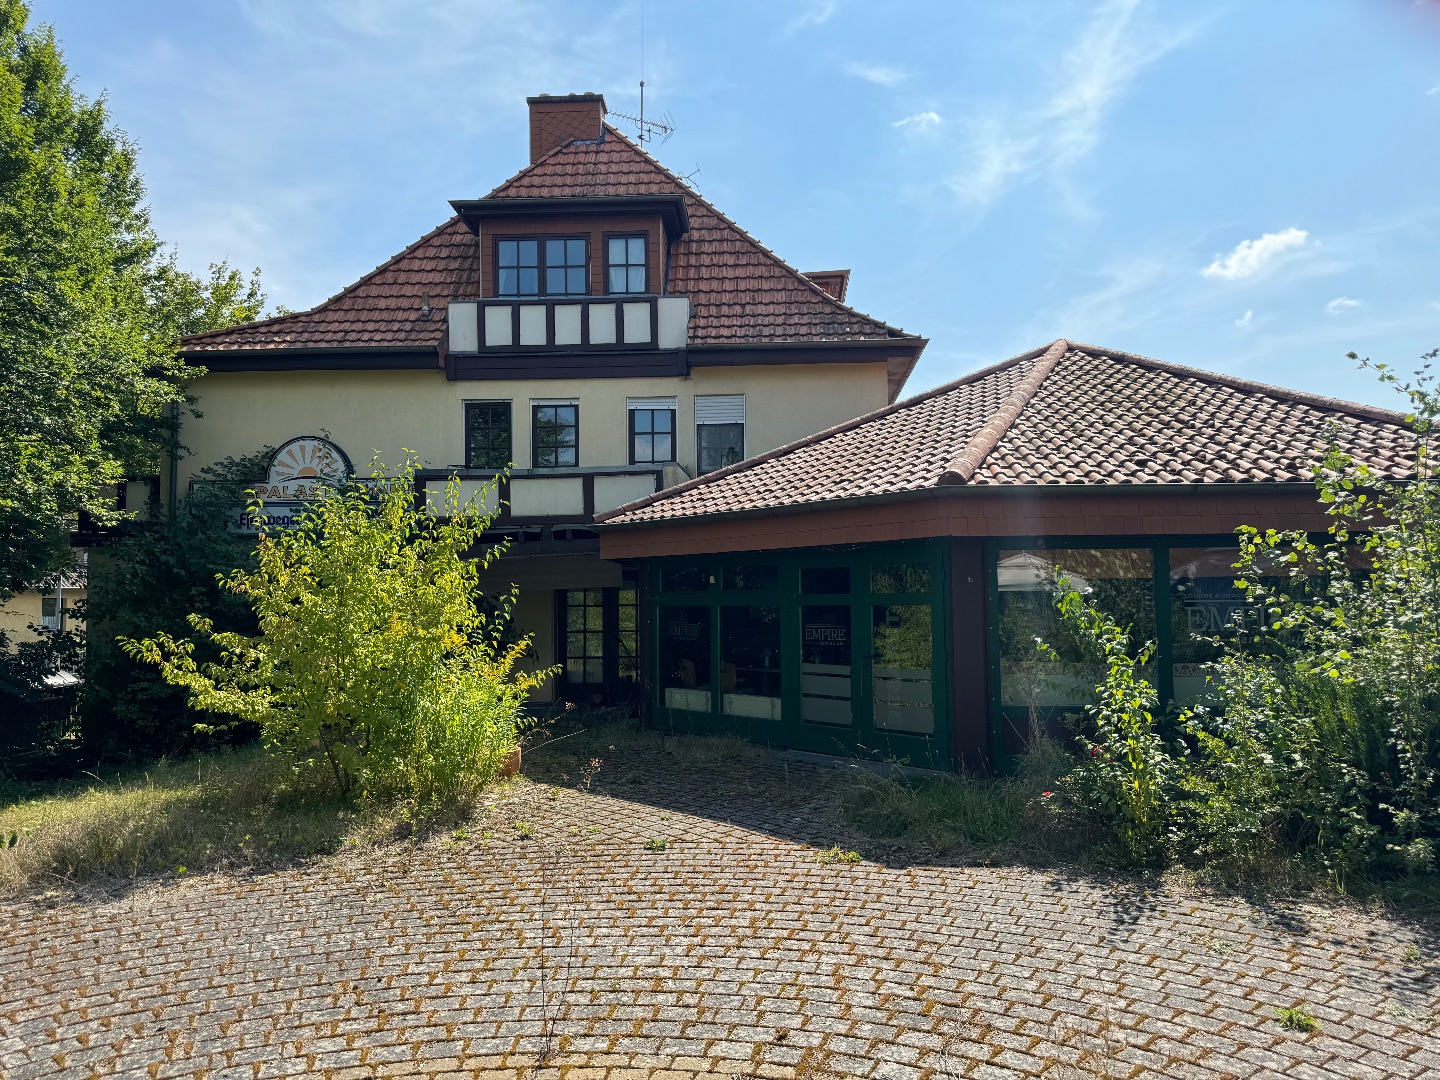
{"x": 825, "y": 580}
{"x": 685, "y": 675}
{"x": 825, "y": 671}
{"x": 1204, "y": 603}
{"x": 615, "y": 254}
{"x": 750, "y": 661}
{"x": 750, "y": 577}
{"x": 684, "y": 579}
{"x": 900, "y": 578}
{"x": 1119, "y": 581}
{"x": 720, "y": 445}
{"x": 904, "y": 689}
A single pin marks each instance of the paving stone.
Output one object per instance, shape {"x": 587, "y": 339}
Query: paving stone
{"x": 733, "y": 953}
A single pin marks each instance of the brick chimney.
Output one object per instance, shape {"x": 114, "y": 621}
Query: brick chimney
{"x": 558, "y": 119}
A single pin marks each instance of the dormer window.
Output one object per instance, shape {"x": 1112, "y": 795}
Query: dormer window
{"x": 561, "y": 265}
{"x": 625, "y": 264}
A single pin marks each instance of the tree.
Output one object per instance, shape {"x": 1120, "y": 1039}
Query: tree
{"x": 90, "y": 308}
{"x": 373, "y": 662}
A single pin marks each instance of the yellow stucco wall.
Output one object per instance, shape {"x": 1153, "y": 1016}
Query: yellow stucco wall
{"x": 385, "y": 411}
{"x": 23, "y": 609}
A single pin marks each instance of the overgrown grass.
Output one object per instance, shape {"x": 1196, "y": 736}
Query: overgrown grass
{"x": 999, "y": 816}
{"x": 238, "y": 809}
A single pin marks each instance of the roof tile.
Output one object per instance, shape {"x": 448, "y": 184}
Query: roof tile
{"x": 1067, "y": 414}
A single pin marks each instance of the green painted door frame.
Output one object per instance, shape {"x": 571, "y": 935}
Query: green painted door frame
{"x": 872, "y": 578}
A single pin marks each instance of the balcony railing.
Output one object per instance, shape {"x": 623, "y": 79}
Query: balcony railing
{"x": 570, "y": 323}
{"x": 551, "y": 496}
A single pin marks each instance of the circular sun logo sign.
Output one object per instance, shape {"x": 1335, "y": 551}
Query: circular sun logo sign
{"x": 304, "y": 463}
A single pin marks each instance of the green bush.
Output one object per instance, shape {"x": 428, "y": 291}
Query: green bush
{"x": 373, "y": 662}
{"x": 1324, "y": 750}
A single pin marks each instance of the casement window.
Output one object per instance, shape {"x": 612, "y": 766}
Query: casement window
{"x": 625, "y": 264}
{"x": 52, "y": 613}
{"x": 489, "y": 435}
{"x": 550, "y": 267}
{"x": 719, "y": 430}
{"x": 555, "y": 434}
{"x": 652, "y": 430}
{"x": 599, "y": 639}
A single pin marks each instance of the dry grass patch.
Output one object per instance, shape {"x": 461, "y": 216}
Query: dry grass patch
{"x": 226, "y": 810}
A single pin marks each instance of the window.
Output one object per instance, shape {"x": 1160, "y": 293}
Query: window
{"x": 556, "y": 435}
{"x": 584, "y": 636}
{"x": 625, "y": 264}
{"x": 487, "y": 435}
{"x": 684, "y": 657}
{"x": 560, "y": 265}
{"x": 720, "y": 430}
{"x": 750, "y": 661}
{"x": 51, "y": 613}
{"x": 652, "y": 432}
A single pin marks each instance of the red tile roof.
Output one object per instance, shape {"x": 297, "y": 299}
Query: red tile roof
{"x": 742, "y": 292}
{"x": 1065, "y": 414}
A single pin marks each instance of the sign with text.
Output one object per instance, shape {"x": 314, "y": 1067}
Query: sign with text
{"x": 301, "y": 471}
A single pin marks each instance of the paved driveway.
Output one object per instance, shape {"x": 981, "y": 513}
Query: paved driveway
{"x": 592, "y": 950}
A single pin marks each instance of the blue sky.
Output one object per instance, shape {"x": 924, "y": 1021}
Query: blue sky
{"x": 1247, "y": 187}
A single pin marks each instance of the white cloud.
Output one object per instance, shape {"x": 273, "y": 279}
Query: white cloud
{"x": 812, "y": 13}
{"x": 874, "y": 73}
{"x": 919, "y": 121}
{"x": 1244, "y": 322}
{"x": 1341, "y": 303}
{"x": 1249, "y": 257}
{"x": 1432, "y": 91}
{"x": 1009, "y": 146}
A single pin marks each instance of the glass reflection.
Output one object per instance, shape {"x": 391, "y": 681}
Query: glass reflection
{"x": 685, "y": 675}
{"x": 750, "y": 661}
{"x": 825, "y": 671}
{"x": 904, "y": 692}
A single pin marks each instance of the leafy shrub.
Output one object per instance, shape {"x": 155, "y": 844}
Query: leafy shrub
{"x": 156, "y": 573}
{"x": 373, "y": 662}
{"x": 1124, "y": 772}
{"x": 1329, "y": 738}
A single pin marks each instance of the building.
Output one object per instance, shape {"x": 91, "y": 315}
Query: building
{"x": 877, "y": 588}
{"x": 591, "y": 320}
{"x": 52, "y": 605}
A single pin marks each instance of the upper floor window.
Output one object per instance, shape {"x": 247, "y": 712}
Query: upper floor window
{"x": 625, "y": 264}
{"x": 652, "y": 430}
{"x": 719, "y": 430}
{"x": 555, "y": 434}
{"x": 488, "y": 435}
{"x": 555, "y": 267}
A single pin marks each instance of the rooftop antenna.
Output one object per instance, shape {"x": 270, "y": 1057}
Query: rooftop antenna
{"x": 647, "y": 130}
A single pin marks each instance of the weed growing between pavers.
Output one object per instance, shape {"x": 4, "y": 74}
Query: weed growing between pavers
{"x": 1296, "y": 1018}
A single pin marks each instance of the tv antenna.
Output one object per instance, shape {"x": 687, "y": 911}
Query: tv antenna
{"x": 647, "y": 130}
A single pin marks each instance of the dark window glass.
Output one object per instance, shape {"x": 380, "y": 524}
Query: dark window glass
{"x": 629, "y": 638}
{"x": 750, "y": 577}
{"x": 825, "y": 650}
{"x": 487, "y": 434}
{"x": 684, "y": 579}
{"x": 556, "y": 433}
{"x": 750, "y": 661}
{"x": 625, "y": 264}
{"x": 517, "y": 264}
{"x": 560, "y": 265}
{"x": 1119, "y": 581}
{"x": 584, "y": 636}
{"x": 685, "y": 674}
{"x": 720, "y": 445}
{"x": 652, "y": 435}
{"x": 817, "y": 580}
{"x": 904, "y": 690}
{"x": 900, "y": 578}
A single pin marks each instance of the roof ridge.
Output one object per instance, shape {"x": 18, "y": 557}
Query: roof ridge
{"x": 1235, "y": 382}
{"x": 330, "y": 299}
{"x": 686, "y": 189}
{"x": 810, "y": 440}
{"x": 962, "y": 468}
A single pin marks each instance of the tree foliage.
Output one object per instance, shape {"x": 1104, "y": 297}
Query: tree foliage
{"x": 373, "y": 661}
{"x": 90, "y": 308}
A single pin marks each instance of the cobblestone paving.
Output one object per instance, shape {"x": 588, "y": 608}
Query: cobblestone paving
{"x": 589, "y": 950}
